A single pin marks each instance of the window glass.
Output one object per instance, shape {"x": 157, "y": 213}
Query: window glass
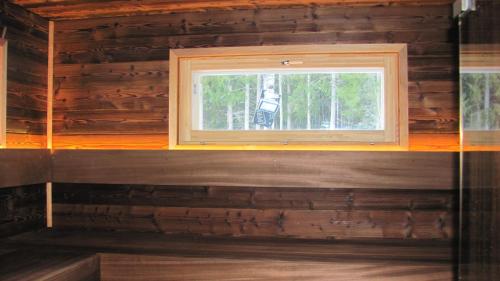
{"x": 317, "y": 99}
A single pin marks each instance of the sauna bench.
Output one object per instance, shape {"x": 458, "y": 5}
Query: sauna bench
{"x": 144, "y": 253}
{"x": 196, "y": 246}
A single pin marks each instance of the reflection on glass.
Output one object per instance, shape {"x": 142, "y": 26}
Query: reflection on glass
{"x": 480, "y": 95}
{"x": 481, "y": 100}
{"x": 295, "y": 100}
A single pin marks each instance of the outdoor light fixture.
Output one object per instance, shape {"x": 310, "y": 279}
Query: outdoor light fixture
{"x": 267, "y": 108}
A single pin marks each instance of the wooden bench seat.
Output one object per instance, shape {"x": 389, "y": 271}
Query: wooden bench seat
{"x": 32, "y": 264}
{"x": 153, "y": 256}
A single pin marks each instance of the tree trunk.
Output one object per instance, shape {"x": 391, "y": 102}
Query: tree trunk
{"x": 333, "y": 103}
{"x": 487, "y": 98}
{"x": 280, "y": 78}
{"x": 229, "y": 112}
{"x": 229, "y": 116}
{"x": 288, "y": 107}
{"x": 308, "y": 101}
{"x": 247, "y": 105}
{"x": 257, "y": 97}
{"x": 200, "y": 106}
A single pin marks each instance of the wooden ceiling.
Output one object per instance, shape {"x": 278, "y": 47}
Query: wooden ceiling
{"x": 78, "y": 9}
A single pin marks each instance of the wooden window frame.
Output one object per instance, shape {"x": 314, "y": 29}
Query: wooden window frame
{"x": 3, "y": 92}
{"x": 391, "y": 57}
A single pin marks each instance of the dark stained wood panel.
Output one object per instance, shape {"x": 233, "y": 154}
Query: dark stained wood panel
{"x": 71, "y": 9}
{"x": 22, "y": 209}
{"x": 27, "y": 70}
{"x": 112, "y": 73}
{"x": 480, "y": 258}
{"x": 312, "y": 213}
{"x": 24, "y": 166}
{"x": 254, "y": 198}
{"x": 166, "y": 268}
{"x": 430, "y": 251}
{"x": 280, "y": 223}
{"x": 393, "y": 170}
{"x": 26, "y": 265}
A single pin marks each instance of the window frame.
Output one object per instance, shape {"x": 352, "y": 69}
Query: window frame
{"x": 391, "y": 57}
{"x": 3, "y": 92}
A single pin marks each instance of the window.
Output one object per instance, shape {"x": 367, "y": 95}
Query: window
{"x": 336, "y": 94}
{"x": 3, "y": 92}
{"x": 480, "y": 101}
{"x": 480, "y": 94}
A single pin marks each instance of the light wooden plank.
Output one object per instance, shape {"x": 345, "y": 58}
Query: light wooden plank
{"x": 3, "y": 92}
{"x": 50, "y": 85}
{"x": 26, "y": 141}
{"x": 48, "y": 204}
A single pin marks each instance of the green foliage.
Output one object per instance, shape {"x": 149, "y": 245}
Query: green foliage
{"x": 357, "y": 100}
{"x": 481, "y": 101}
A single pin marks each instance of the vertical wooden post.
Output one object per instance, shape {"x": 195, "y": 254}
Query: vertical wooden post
{"x": 50, "y": 97}
{"x": 3, "y": 92}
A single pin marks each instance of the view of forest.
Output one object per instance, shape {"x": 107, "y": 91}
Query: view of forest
{"x": 306, "y": 100}
{"x": 481, "y": 100}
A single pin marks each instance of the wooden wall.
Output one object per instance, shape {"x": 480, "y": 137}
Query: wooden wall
{"x": 21, "y": 209}
{"x": 326, "y": 195}
{"x": 26, "y": 76}
{"x": 480, "y": 259}
{"x": 313, "y": 213}
{"x": 112, "y": 73}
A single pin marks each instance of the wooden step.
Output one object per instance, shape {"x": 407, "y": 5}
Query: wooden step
{"x": 27, "y": 265}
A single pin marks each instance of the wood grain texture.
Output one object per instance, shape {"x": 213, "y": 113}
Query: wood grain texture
{"x": 135, "y": 253}
{"x": 431, "y": 251}
{"x": 164, "y": 268}
{"x": 257, "y": 212}
{"x": 3, "y": 92}
{"x": 24, "y": 166}
{"x": 394, "y": 170}
{"x": 27, "y": 70}
{"x": 112, "y": 73}
{"x": 480, "y": 258}
{"x": 26, "y": 141}
{"x": 74, "y": 9}
{"x": 31, "y": 265}
{"x": 418, "y": 142}
{"x": 304, "y": 224}
{"x": 254, "y": 198}
{"x": 21, "y": 209}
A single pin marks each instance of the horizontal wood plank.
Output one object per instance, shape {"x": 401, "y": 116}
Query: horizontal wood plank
{"x": 165, "y": 268}
{"x": 254, "y": 197}
{"x": 27, "y": 71}
{"x": 431, "y": 251}
{"x": 397, "y": 170}
{"x": 280, "y": 223}
{"x": 24, "y": 166}
{"x": 25, "y": 265}
{"x": 75, "y": 9}
{"x": 318, "y": 213}
{"x": 21, "y": 209}
{"x": 112, "y": 73}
